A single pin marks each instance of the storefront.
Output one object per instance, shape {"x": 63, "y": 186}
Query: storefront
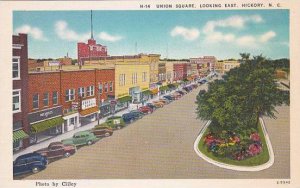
{"x": 71, "y": 121}
{"x": 105, "y": 109}
{"x": 88, "y": 111}
{"x": 45, "y": 124}
{"x": 135, "y": 92}
{"x": 146, "y": 94}
{"x": 123, "y": 103}
{"x": 18, "y": 136}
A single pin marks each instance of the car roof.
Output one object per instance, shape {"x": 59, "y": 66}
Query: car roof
{"x": 27, "y": 155}
{"x": 81, "y": 133}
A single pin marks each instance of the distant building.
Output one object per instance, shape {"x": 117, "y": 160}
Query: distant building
{"x": 205, "y": 64}
{"x": 180, "y": 70}
{"x": 224, "y": 66}
{"x": 90, "y": 50}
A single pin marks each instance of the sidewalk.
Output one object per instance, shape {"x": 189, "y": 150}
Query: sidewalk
{"x": 71, "y": 133}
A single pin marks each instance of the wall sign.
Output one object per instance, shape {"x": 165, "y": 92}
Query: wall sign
{"x": 44, "y": 114}
{"x": 88, "y": 103}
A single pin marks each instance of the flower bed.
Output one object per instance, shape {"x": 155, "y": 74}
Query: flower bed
{"x": 248, "y": 149}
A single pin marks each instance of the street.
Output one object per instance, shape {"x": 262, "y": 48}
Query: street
{"x": 161, "y": 146}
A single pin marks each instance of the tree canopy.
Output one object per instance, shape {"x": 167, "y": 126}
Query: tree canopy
{"x": 244, "y": 94}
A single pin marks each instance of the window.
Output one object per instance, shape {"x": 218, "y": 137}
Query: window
{"x": 134, "y": 78}
{"x": 81, "y": 92}
{"x": 16, "y": 67}
{"x": 55, "y": 98}
{"x": 122, "y": 79}
{"x": 100, "y": 88}
{"x": 90, "y": 91}
{"x": 16, "y": 101}
{"x": 110, "y": 86}
{"x": 35, "y": 101}
{"x": 144, "y": 76}
{"x": 106, "y": 87}
{"x": 46, "y": 99}
{"x": 70, "y": 95}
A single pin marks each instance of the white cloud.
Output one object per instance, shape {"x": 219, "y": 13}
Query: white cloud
{"x": 216, "y": 37}
{"x": 187, "y": 33}
{"x": 108, "y": 37}
{"x": 65, "y": 33}
{"x": 34, "y": 32}
{"x": 236, "y": 21}
{"x": 267, "y": 36}
{"x": 247, "y": 41}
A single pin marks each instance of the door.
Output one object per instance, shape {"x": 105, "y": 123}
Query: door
{"x": 55, "y": 151}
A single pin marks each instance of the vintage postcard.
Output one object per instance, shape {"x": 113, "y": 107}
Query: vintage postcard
{"x": 150, "y": 93}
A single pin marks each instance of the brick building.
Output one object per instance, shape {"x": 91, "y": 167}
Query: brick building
{"x": 20, "y": 91}
{"x": 90, "y": 50}
{"x": 205, "y": 64}
{"x": 180, "y": 71}
{"x": 61, "y": 101}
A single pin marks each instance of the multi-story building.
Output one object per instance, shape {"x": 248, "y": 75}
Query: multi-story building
{"x": 219, "y": 66}
{"x": 180, "y": 70}
{"x": 61, "y": 101}
{"x": 205, "y": 64}
{"x": 90, "y": 50}
{"x": 230, "y": 64}
{"x": 192, "y": 71}
{"x": 162, "y": 72}
{"x": 20, "y": 91}
{"x": 169, "y": 72}
{"x": 131, "y": 82}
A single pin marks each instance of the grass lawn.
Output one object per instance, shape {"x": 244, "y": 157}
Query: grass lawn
{"x": 259, "y": 159}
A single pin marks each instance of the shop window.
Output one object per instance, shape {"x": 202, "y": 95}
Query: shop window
{"x": 55, "y": 97}
{"x": 46, "y": 99}
{"x": 16, "y": 101}
{"x": 16, "y": 68}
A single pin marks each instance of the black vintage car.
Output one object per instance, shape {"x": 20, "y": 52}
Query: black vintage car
{"x": 30, "y": 162}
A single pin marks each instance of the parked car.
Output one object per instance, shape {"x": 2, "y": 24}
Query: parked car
{"x": 81, "y": 138}
{"x": 152, "y": 106}
{"x": 146, "y": 110}
{"x": 169, "y": 97}
{"x": 181, "y": 92}
{"x": 137, "y": 113}
{"x": 165, "y": 101}
{"x": 176, "y": 95}
{"x": 102, "y": 130}
{"x": 30, "y": 162}
{"x": 115, "y": 122}
{"x": 202, "y": 81}
{"x": 158, "y": 104}
{"x": 57, "y": 149}
{"x": 132, "y": 116}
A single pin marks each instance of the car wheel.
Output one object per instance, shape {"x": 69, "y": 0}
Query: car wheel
{"x": 107, "y": 134}
{"x": 119, "y": 127}
{"x": 35, "y": 170}
{"x": 149, "y": 112}
{"x": 89, "y": 142}
{"x": 67, "y": 154}
{"x": 131, "y": 121}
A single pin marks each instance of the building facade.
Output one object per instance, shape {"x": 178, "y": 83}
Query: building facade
{"x": 180, "y": 70}
{"x": 230, "y": 64}
{"x": 90, "y": 50}
{"x": 205, "y": 64}
{"x": 169, "y": 72}
{"x": 20, "y": 91}
{"x": 131, "y": 80}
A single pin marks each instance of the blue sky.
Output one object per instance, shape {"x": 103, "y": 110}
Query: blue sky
{"x": 183, "y": 34}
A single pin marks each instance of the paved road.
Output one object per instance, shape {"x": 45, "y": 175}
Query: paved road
{"x": 161, "y": 146}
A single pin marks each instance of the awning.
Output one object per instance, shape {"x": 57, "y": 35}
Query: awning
{"x": 89, "y": 111}
{"x": 154, "y": 91}
{"x": 47, "y": 124}
{"x": 19, "y": 135}
{"x": 124, "y": 99}
{"x": 146, "y": 92}
{"x": 163, "y": 88}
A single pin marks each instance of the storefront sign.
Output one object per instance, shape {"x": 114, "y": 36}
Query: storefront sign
{"x": 88, "y": 103}
{"x": 44, "y": 114}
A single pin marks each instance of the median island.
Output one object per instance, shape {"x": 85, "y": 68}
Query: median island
{"x": 235, "y": 136}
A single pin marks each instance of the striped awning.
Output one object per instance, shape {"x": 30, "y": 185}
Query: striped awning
{"x": 19, "y": 135}
{"x": 47, "y": 124}
{"x": 89, "y": 111}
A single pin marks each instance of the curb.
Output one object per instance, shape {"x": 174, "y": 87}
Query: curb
{"x": 234, "y": 167}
